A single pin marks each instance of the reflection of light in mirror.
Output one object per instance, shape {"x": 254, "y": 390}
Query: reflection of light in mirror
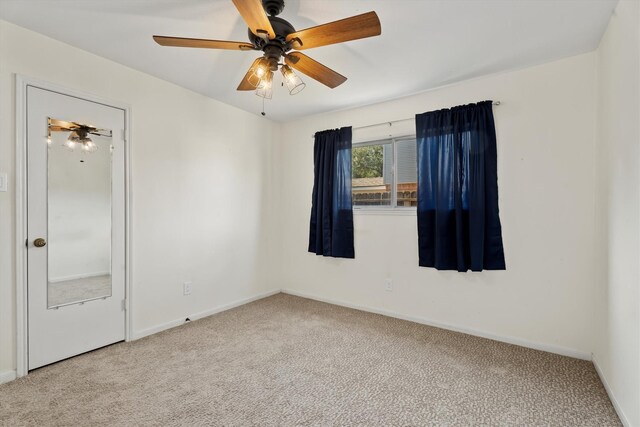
{"x": 80, "y": 138}
{"x": 78, "y": 134}
{"x": 89, "y": 146}
{"x": 70, "y": 143}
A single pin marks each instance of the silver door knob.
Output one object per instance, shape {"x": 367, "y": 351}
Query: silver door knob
{"x": 39, "y": 242}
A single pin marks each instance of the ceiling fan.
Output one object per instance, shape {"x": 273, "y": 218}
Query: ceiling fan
{"x": 277, "y": 38}
{"x": 79, "y": 134}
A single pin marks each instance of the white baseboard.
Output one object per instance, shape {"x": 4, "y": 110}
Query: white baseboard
{"x": 177, "y": 322}
{"x": 507, "y": 339}
{"x": 7, "y": 376}
{"x": 612, "y": 398}
{"x": 79, "y": 276}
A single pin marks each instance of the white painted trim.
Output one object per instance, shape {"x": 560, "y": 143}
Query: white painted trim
{"x": 177, "y": 322}
{"x": 79, "y": 276}
{"x": 612, "y": 398}
{"x": 507, "y": 339}
{"x": 21, "y": 227}
{"x": 21, "y": 83}
{"x": 7, "y": 376}
{"x": 128, "y": 221}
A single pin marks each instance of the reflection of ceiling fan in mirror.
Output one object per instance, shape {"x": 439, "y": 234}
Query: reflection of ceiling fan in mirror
{"x": 78, "y": 136}
{"x": 277, "y": 38}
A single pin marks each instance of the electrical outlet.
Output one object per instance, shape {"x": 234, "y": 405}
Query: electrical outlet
{"x": 186, "y": 288}
{"x": 388, "y": 285}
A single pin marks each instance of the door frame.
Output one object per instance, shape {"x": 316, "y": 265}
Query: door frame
{"x": 22, "y": 323}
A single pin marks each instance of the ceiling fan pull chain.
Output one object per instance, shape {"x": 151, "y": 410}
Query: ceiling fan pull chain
{"x": 263, "y": 113}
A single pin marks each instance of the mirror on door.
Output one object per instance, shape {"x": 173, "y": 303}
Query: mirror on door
{"x": 79, "y": 213}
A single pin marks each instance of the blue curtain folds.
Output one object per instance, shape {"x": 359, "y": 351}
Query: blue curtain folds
{"x": 458, "y": 220}
{"x": 331, "y": 225}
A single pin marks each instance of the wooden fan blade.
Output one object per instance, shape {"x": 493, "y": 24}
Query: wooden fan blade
{"x": 244, "y": 84}
{"x": 55, "y": 123}
{"x": 54, "y": 128}
{"x": 202, "y": 43}
{"x": 356, "y": 27}
{"x": 254, "y": 15}
{"x": 314, "y": 69}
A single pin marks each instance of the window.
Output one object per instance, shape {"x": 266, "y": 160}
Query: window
{"x": 384, "y": 174}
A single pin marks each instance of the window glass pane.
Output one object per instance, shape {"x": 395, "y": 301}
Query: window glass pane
{"x": 372, "y": 175}
{"x": 407, "y": 182}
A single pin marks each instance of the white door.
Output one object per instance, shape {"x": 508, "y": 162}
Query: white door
{"x": 75, "y": 226}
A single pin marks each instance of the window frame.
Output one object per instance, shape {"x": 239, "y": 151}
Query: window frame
{"x": 393, "y": 208}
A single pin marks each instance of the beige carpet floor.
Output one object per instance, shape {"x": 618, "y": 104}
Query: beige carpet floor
{"x": 288, "y": 361}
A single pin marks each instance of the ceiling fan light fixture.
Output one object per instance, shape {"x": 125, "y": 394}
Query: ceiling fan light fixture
{"x": 276, "y": 38}
{"x": 258, "y": 72}
{"x": 265, "y": 88}
{"x": 89, "y": 146}
{"x": 80, "y": 138}
{"x": 292, "y": 80}
{"x": 72, "y": 140}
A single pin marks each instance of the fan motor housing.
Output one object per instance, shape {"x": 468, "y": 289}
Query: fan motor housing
{"x": 281, "y": 27}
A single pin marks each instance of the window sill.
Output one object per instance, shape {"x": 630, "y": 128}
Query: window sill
{"x": 385, "y": 211}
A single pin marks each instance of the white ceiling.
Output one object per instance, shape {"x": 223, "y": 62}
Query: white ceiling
{"x": 424, "y": 43}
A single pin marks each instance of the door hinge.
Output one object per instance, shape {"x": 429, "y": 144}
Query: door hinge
{"x": 124, "y": 135}
{"x": 124, "y": 305}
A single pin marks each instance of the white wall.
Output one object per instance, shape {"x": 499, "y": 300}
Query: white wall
{"x": 222, "y": 198}
{"x": 546, "y": 135}
{"x": 201, "y": 185}
{"x": 79, "y": 210}
{"x": 617, "y": 351}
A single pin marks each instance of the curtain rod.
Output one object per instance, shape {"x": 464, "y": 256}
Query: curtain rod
{"x": 396, "y": 121}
